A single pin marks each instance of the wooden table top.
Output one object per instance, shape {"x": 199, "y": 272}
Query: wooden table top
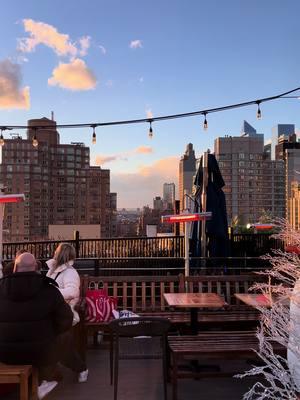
{"x": 254, "y": 300}
{"x": 194, "y": 300}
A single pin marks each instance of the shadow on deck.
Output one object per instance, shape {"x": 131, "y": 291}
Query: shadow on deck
{"x": 142, "y": 380}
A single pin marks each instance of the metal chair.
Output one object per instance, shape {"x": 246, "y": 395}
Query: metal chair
{"x": 139, "y": 338}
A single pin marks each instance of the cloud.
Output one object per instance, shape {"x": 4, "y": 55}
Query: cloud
{"x": 41, "y": 33}
{"x": 85, "y": 43}
{"x": 100, "y": 160}
{"x": 109, "y": 83}
{"x": 103, "y": 159}
{"x": 139, "y": 188}
{"x": 74, "y": 76}
{"x": 135, "y": 44}
{"x": 144, "y": 150}
{"x": 141, "y": 79}
{"x": 103, "y": 49}
{"x": 12, "y": 95}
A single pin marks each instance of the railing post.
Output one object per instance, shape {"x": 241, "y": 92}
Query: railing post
{"x": 77, "y": 243}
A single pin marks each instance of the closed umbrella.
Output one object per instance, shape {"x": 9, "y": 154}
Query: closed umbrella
{"x": 209, "y": 196}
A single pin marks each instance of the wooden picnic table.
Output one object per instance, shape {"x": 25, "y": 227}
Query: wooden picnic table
{"x": 194, "y": 301}
{"x": 255, "y": 300}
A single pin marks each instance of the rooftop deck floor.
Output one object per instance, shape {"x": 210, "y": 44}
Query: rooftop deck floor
{"x": 142, "y": 380}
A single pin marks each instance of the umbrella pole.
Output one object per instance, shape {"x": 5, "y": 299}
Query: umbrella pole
{"x": 203, "y": 202}
{"x": 187, "y": 229}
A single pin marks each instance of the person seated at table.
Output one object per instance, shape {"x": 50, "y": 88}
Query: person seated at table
{"x": 61, "y": 269}
{"x": 33, "y": 314}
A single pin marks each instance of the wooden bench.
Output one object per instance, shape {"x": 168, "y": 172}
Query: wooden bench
{"x": 144, "y": 296}
{"x": 20, "y": 374}
{"x": 212, "y": 345}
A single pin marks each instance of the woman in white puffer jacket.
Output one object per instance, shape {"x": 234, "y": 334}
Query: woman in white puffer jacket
{"x": 62, "y": 271}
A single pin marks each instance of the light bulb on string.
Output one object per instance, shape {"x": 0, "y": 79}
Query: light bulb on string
{"x": 94, "y": 137}
{"x": 35, "y": 142}
{"x": 1, "y": 139}
{"x": 150, "y": 133}
{"x": 258, "y": 113}
{"x": 205, "y": 124}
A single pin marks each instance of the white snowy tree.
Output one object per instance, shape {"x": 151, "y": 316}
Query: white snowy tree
{"x": 279, "y": 377}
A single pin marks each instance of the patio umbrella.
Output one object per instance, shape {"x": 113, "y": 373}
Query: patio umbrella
{"x": 209, "y": 196}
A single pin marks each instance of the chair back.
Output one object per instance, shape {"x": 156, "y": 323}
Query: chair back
{"x": 140, "y": 326}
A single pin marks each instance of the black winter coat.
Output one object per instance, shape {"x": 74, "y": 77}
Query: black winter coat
{"x": 32, "y": 313}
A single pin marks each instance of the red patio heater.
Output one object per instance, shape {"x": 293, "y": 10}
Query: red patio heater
{"x": 186, "y": 218}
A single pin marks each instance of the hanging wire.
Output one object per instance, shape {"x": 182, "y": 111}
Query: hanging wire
{"x": 164, "y": 117}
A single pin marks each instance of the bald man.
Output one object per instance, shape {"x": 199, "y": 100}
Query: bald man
{"x": 32, "y": 315}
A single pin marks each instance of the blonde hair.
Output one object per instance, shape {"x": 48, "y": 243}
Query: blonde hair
{"x": 64, "y": 253}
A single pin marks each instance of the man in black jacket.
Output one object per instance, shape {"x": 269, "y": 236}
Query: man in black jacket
{"x": 32, "y": 315}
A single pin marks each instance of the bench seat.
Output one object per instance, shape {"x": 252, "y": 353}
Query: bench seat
{"x": 212, "y": 345}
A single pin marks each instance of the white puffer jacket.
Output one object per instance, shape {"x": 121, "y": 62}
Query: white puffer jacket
{"x": 68, "y": 281}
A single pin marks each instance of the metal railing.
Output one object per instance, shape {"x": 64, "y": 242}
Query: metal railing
{"x": 240, "y": 245}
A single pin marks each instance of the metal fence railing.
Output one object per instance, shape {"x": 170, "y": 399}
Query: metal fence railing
{"x": 240, "y": 245}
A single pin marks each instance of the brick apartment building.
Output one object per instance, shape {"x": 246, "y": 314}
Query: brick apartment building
{"x": 253, "y": 182}
{"x": 60, "y": 185}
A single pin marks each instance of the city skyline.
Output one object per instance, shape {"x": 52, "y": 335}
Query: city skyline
{"x": 107, "y": 62}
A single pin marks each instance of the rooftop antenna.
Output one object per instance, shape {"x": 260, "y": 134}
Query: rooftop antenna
{"x": 52, "y": 115}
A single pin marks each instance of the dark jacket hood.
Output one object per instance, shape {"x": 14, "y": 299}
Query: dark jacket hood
{"x": 22, "y": 286}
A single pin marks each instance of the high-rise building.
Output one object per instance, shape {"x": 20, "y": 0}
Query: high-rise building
{"x": 169, "y": 194}
{"x": 288, "y": 150}
{"x": 60, "y": 186}
{"x": 277, "y": 131}
{"x": 187, "y": 169}
{"x": 294, "y": 206}
{"x": 253, "y": 183}
{"x": 158, "y": 203}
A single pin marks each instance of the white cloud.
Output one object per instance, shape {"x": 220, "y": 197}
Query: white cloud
{"x": 109, "y": 83}
{"x": 103, "y": 49}
{"x": 141, "y": 79}
{"x": 41, "y": 33}
{"x": 104, "y": 159}
{"x": 74, "y": 76}
{"x": 12, "y": 95}
{"x": 135, "y": 44}
{"x": 138, "y": 189}
{"x": 85, "y": 43}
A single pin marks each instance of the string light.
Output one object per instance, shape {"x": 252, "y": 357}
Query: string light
{"x": 35, "y": 142}
{"x": 258, "y": 113}
{"x": 150, "y": 134}
{"x": 164, "y": 117}
{"x": 205, "y": 124}
{"x": 1, "y": 138}
{"x": 94, "y": 138}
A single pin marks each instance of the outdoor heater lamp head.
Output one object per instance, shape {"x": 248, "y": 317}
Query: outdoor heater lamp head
{"x": 12, "y": 198}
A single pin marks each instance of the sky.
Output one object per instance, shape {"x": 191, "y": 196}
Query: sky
{"x": 98, "y": 61}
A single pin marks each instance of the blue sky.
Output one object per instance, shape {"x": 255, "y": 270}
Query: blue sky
{"x": 187, "y": 56}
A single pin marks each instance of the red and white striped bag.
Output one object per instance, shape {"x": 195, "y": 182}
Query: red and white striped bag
{"x": 99, "y": 305}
